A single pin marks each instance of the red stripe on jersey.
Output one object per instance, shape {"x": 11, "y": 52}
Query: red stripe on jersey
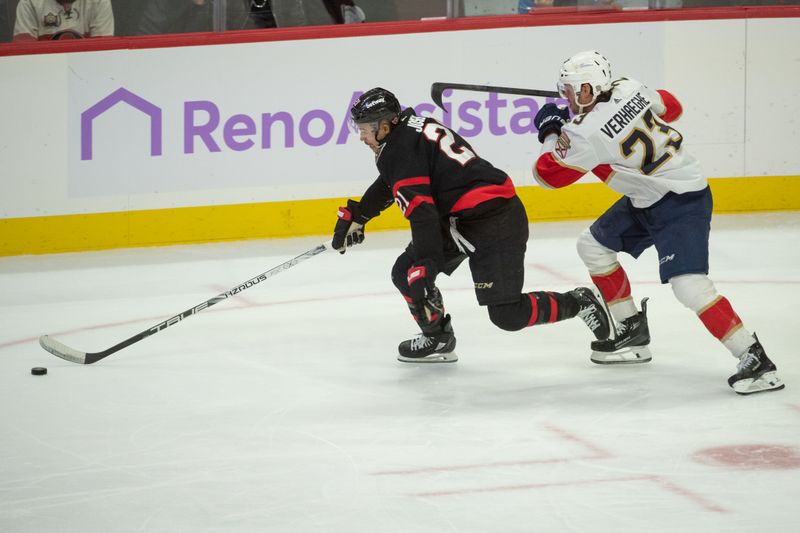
{"x": 553, "y": 173}
{"x": 553, "y": 308}
{"x": 534, "y": 309}
{"x": 413, "y": 204}
{"x": 719, "y": 318}
{"x": 674, "y": 108}
{"x": 603, "y": 172}
{"x": 479, "y": 195}
{"x": 614, "y": 285}
{"x": 408, "y": 182}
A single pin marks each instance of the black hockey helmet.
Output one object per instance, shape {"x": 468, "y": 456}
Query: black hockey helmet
{"x": 374, "y": 105}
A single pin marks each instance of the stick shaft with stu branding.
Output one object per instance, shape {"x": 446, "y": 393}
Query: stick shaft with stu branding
{"x": 87, "y": 358}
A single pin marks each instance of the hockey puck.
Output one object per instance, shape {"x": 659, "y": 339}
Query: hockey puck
{"x": 38, "y": 371}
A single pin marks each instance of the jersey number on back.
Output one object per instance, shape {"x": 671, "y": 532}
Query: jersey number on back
{"x": 447, "y": 143}
{"x": 650, "y": 141}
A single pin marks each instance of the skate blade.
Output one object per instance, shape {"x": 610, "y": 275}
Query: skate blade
{"x": 767, "y": 382}
{"x": 628, "y": 356}
{"x": 433, "y": 358}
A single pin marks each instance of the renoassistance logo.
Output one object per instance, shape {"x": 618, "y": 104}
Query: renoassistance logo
{"x": 204, "y": 128}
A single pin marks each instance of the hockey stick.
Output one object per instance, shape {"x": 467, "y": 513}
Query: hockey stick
{"x": 70, "y": 354}
{"x": 438, "y": 87}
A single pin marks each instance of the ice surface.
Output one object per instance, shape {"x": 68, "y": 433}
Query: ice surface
{"x": 284, "y": 408}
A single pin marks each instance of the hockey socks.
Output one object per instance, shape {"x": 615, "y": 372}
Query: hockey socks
{"x": 536, "y": 308}
{"x": 616, "y": 290}
{"x": 722, "y": 322}
{"x": 549, "y": 307}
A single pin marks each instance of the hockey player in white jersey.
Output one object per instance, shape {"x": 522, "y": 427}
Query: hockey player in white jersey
{"x": 620, "y": 132}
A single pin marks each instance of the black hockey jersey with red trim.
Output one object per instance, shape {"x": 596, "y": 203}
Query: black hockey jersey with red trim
{"x": 431, "y": 172}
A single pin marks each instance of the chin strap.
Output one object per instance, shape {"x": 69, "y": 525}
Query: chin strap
{"x": 582, "y": 107}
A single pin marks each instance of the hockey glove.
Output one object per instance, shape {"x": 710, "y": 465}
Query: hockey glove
{"x": 550, "y": 119}
{"x": 349, "y": 229}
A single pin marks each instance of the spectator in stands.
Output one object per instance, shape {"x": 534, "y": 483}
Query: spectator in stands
{"x": 316, "y": 12}
{"x": 6, "y": 19}
{"x": 45, "y": 20}
{"x": 175, "y": 16}
{"x": 126, "y": 16}
{"x": 261, "y": 13}
{"x": 344, "y": 11}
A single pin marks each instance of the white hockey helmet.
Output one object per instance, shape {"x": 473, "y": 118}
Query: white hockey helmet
{"x": 589, "y": 66}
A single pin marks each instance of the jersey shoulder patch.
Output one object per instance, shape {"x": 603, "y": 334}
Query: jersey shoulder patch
{"x": 563, "y": 145}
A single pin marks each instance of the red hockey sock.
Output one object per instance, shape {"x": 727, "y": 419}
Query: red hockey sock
{"x": 549, "y": 307}
{"x": 613, "y": 285}
{"x": 719, "y": 318}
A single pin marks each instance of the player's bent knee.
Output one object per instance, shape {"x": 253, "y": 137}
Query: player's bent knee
{"x": 400, "y": 272}
{"x": 509, "y": 317}
{"x": 695, "y": 291}
{"x": 594, "y": 255}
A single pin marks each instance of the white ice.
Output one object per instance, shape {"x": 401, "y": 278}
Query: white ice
{"x": 284, "y": 409}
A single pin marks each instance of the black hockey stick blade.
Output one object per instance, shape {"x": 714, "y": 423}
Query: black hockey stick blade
{"x": 438, "y": 87}
{"x": 63, "y": 351}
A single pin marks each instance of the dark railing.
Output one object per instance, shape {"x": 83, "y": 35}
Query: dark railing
{"x": 159, "y": 17}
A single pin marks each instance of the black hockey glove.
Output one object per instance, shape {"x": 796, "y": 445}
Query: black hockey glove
{"x": 421, "y": 278}
{"x": 550, "y": 119}
{"x": 349, "y": 229}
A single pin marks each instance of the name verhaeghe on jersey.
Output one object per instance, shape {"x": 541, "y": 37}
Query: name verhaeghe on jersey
{"x": 626, "y": 114}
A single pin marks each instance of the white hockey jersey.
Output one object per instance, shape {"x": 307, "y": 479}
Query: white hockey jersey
{"x": 627, "y": 143}
{"x": 47, "y": 19}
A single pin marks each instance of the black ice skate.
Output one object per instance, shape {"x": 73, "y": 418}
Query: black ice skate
{"x": 755, "y": 372}
{"x": 593, "y": 312}
{"x": 432, "y": 347}
{"x": 629, "y": 344}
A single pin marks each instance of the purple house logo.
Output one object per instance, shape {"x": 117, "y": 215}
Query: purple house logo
{"x": 121, "y": 95}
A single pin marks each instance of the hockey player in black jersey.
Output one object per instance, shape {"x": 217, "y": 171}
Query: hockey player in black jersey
{"x": 459, "y": 207}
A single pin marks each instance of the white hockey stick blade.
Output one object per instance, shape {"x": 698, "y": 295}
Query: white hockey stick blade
{"x": 62, "y": 350}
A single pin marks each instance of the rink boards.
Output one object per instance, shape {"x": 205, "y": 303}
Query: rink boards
{"x": 149, "y": 146}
